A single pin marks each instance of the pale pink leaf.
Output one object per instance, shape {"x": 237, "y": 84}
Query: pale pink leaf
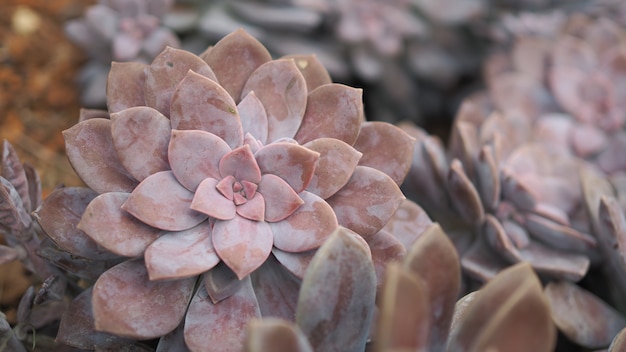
{"x": 291, "y": 162}
{"x": 314, "y": 72}
{"x": 276, "y": 290}
{"x": 210, "y": 201}
{"x": 253, "y": 117}
{"x": 408, "y": 223}
{"x": 296, "y": 263}
{"x": 125, "y": 86}
{"x": 253, "y": 209}
{"x": 336, "y": 164}
{"x": 241, "y": 164}
{"x": 280, "y": 199}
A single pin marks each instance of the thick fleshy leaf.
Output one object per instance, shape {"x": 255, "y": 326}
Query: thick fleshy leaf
{"x": 114, "y": 229}
{"x": 160, "y": 201}
{"x": 619, "y": 342}
{"x": 559, "y": 236}
{"x": 221, "y": 282}
{"x": 307, "y": 228}
{"x": 340, "y": 283}
{"x": 59, "y": 216}
{"x": 90, "y": 150}
{"x": 332, "y": 111}
{"x": 479, "y": 261}
{"x": 612, "y": 242}
{"x": 557, "y": 264}
{"x": 403, "y": 321}
{"x": 281, "y": 88}
{"x": 221, "y": 326}
{"x": 408, "y": 223}
{"x": 280, "y": 199}
{"x": 199, "y": 103}
{"x": 296, "y": 263}
{"x": 195, "y": 155}
{"x": 234, "y": 58}
{"x": 367, "y": 201}
{"x": 182, "y": 254}
{"x": 173, "y": 341}
{"x": 166, "y": 71}
{"x": 291, "y": 162}
{"x": 141, "y": 136}
{"x": 15, "y": 219}
{"x": 34, "y": 185}
{"x": 387, "y": 148}
{"x": 273, "y": 334}
{"x": 253, "y": 117}
{"x": 336, "y": 164}
{"x": 241, "y": 164}
{"x": 463, "y": 145}
{"x": 125, "y": 85}
{"x": 12, "y": 169}
{"x": 488, "y": 177}
{"x": 314, "y": 72}
{"x": 242, "y": 244}
{"x": 583, "y": 317}
{"x": 385, "y": 249}
{"x": 434, "y": 259}
{"x": 464, "y": 196}
{"x": 126, "y": 303}
{"x": 276, "y": 290}
{"x": 210, "y": 201}
{"x": 253, "y": 209}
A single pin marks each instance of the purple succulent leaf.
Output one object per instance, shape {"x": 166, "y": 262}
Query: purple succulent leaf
{"x": 241, "y": 164}
{"x": 242, "y": 244}
{"x": 387, "y": 148}
{"x": 488, "y": 177}
{"x": 332, "y": 111}
{"x": 90, "y": 150}
{"x": 481, "y": 262}
{"x": 165, "y": 73}
{"x": 59, "y": 216}
{"x": 221, "y": 282}
{"x": 177, "y": 255}
{"x": 367, "y": 202}
{"x": 584, "y": 318}
{"x": 517, "y": 192}
{"x": 336, "y": 164}
{"x": 340, "y": 283}
{"x": 141, "y": 136}
{"x": 276, "y": 290}
{"x": 208, "y": 200}
{"x": 125, "y": 47}
{"x": 497, "y": 237}
{"x": 173, "y": 341}
{"x": 161, "y": 202}
{"x": 385, "y": 249}
{"x": 13, "y": 171}
{"x": 559, "y": 236}
{"x": 464, "y": 145}
{"x": 291, "y": 162}
{"x": 200, "y": 103}
{"x": 220, "y": 326}
{"x": 195, "y": 156}
{"x": 15, "y": 219}
{"x": 86, "y": 114}
{"x": 125, "y": 86}
{"x": 314, "y": 72}
{"x": 296, "y": 263}
{"x": 253, "y": 117}
{"x": 234, "y": 58}
{"x": 408, "y": 223}
{"x": 281, "y": 88}
{"x": 124, "y": 300}
{"x": 558, "y": 264}
{"x": 280, "y": 199}
{"x": 307, "y": 228}
{"x": 114, "y": 229}
{"x": 34, "y": 185}
{"x": 465, "y": 198}
{"x": 8, "y": 254}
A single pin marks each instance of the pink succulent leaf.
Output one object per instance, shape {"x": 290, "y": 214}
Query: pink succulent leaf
{"x": 387, "y": 148}
{"x": 242, "y": 244}
{"x": 335, "y": 166}
{"x": 125, "y": 86}
{"x": 281, "y": 88}
{"x": 296, "y": 263}
{"x": 124, "y": 300}
{"x": 141, "y": 136}
{"x": 332, "y": 111}
{"x": 90, "y": 150}
{"x": 291, "y": 162}
{"x": 464, "y": 144}
{"x": 559, "y": 236}
{"x": 208, "y": 200}
{"x": 497, "y": 237}
{"x": 314, "y": 72}
{"x": 240, "y": 163}
{"x": 254, "y": 143}
{"x": 160, "y": 201}
{"x": 480, "y": 261}
{"x": 174, "y": 341}
{"x": 307, "y": 228}
{"x": 280, "y": 199}
{"x": 588, "y": 139}
{"x": 558, "y": 264}
{"x": 253, "y": 117}
{"x": 515, "y": 191}
{"x": 220, "y": 326}
{"x": 177, "y": 255}
{"x": 12, "y": 169}
{"x": 385, "y": 249}
{"x": 125, "y": 47}
{"x": 114, "y": 229}
{"x": 253, "y": 209}
{"x": 464, "y": 195}
{"x": 234, "y": 58}
{"x": 408, "y": 223}
{"x": 276, "y": 290}
{"x": 367, "y": 202}
{"x": 15, "y": 220}
{"x": 340, "y": 283}
{"x": 274, "y": 334}
{"x": 199, "y": 103}
{"x": 488, "y": 177}
{"x": 86, "y": 114}
{"x": 166, "y": 71}
{"x": 195, "y": 155}
{"x": 221, "y": 282}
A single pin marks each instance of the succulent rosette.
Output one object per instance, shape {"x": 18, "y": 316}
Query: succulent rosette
{"x": 217, "y": 177}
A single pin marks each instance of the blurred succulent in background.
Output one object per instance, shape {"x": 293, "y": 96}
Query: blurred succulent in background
{"x": 213, "y": 179}
{"x": 117, "y": 30}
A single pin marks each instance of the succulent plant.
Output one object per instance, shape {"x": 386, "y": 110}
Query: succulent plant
{"x": 116, "y": 30}
{"x": 212, "y": 182}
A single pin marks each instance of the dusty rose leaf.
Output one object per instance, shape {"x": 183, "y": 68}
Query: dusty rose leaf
{"x": 160, "y": 201}
{"x": 273, "y": 334}
{"x": 619, "y": 342}
{"x": 125, "y": 85}
{"x": 464, "y": 144}
{"x": 296, "y": 263}
{"x": 314, "y": 72}
{"x": 488, "y": 177}
{"x": 221, "y": 282}
{"x": 408, "y": 223}
{"x": 279, "y": 85}
{"x": 241, "y": 164}
{"x": 210, "y": 201}
{"x": 253, "y": 209}
{"x": 291, "y": 162}
{"x": 367, "y": 202}
{"x": 480, "y": 262}
{"x": 559, "y": 236}
{"x": 280, "y": 199}
{"x": 253, "y": 117}
{"x": 199, "y": 103}
{"x": 34, "y": 185}
{"x": 12, "y": 169}
{"x": 182, "y": 254}
{"x": 465, "y": 197}
{"x": 336, "y": 164}
{"x": 90, "y": 150}
{"x": 385, "y": 249}
{"x": 127, "y": 303}
{"x": 276, "y": 290}
{"x": 332, "y": 111}
{"x": 387, "y": 148}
